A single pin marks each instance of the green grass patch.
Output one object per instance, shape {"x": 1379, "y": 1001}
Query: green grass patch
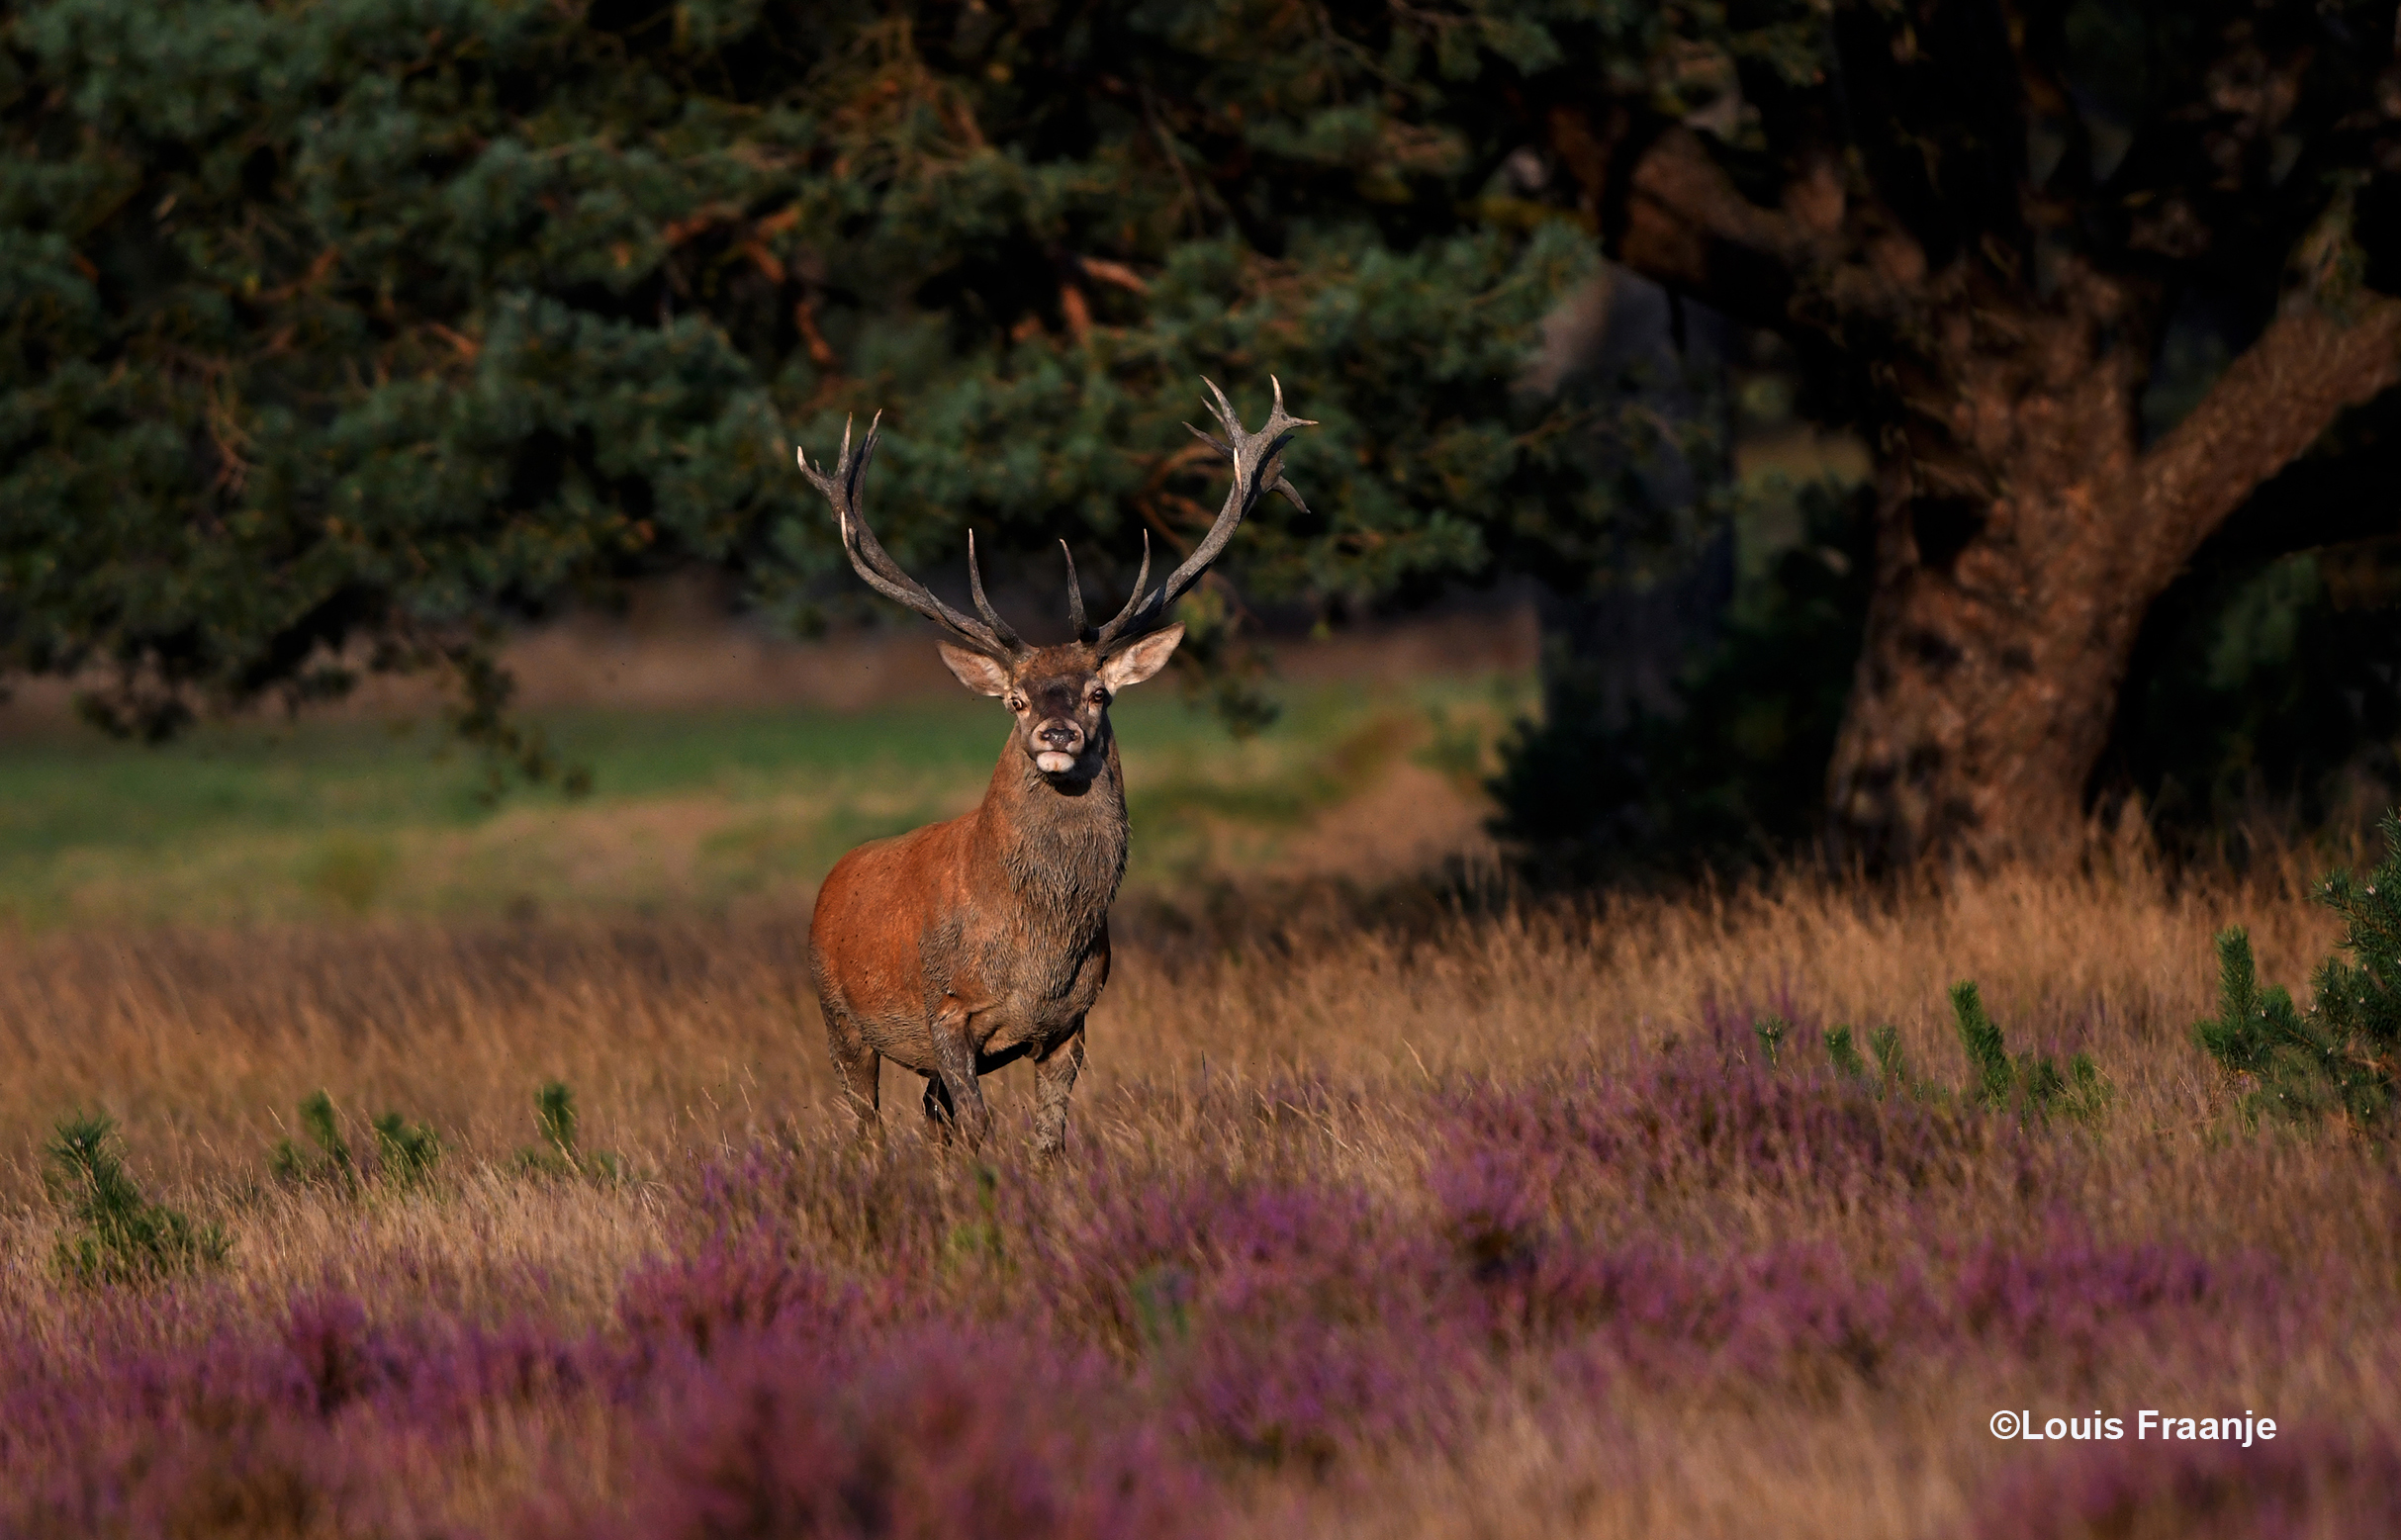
{"x": 253, "y": 822}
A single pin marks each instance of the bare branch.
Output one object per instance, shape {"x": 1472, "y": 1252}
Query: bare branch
{"x": 1669, "y": 212}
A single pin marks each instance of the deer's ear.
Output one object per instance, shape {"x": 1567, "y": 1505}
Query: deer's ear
{"x": 1144, "y": 659}
{"x": 982, "y": 674}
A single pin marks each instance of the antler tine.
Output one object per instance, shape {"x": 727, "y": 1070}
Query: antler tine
{"x": 1142, "y": 577}
{"x": 873, "y": 563}
{"x": 1283, "y": 486}
{"x": 983, "y": 607}
{"x": 1258, "y": 466}
{"x": 1075, "y": 596}
{"x": 1220, "y": 408}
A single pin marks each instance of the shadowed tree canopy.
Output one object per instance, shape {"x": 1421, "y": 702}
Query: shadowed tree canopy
{"x": 336, "y": 332}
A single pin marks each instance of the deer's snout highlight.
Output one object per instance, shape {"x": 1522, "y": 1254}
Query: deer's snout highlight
{"x": 1056, "y": 744}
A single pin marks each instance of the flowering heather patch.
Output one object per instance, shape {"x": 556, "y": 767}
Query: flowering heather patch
{"x": 2312, "y": 1481}
{"x": 907, "y": 1342}
{"x": 1664, "y": 1283}
{"x": 946, "y": 1431}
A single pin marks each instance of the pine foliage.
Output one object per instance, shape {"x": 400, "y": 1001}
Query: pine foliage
{"x": 2033, "y": 1083}
{"x": 2340, "y": 1056}
{"x": 370, "y": 322}
{"x": 405, "y": 1152}
{"x": 114, "y": 1235}
{"x": 559, "y": 1152}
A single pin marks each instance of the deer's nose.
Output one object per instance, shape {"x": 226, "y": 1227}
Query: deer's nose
{"x": 1057, "y": 735}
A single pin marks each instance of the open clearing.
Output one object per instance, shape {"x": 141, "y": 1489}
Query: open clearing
{"x": 1383, "y": 1215}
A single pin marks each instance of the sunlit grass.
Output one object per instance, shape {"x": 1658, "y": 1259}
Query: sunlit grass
{"x": 271, "y": 821}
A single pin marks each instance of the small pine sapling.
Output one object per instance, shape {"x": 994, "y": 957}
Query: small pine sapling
{"x": 558, "y": 1154}
{"x": 2032, "y": 1082}
{"x": 405, "y": 1151}
{"x": 1892, "y": 1072}
{"x": 1884, "y": 1044}
{"x": 118, "y": 1237}
{"x": 1770, "y": 1032}
{"x": 1843, "y": 1053}
{"x": 1986, "y": 1057}
{"x": 332, "y": 1164}
{"x": 2340, "y": 1055}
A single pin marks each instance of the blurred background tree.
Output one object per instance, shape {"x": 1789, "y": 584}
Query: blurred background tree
{"x": 341, "y": 332}
{"x": 343, "y": 335}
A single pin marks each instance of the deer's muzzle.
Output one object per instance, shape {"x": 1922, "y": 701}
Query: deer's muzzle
{"x": 1056, "y": 746}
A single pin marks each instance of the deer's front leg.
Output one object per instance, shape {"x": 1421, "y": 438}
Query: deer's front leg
{"x": 1054, "y": 1079}
{"x": 954, "y": 1062}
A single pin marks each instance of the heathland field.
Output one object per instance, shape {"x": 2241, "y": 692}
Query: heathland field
{"x": 1381, "y": 1217}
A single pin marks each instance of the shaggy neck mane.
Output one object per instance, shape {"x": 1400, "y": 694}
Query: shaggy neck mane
{"x": 1065, "y": 851}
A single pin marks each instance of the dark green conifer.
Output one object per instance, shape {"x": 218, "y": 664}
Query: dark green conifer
{"x": 2338, "y": 1056}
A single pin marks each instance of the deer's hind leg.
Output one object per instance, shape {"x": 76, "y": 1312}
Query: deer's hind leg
{"x": 856, "y": 1068}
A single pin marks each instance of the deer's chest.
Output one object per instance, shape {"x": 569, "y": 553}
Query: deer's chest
{"x": 1034, "y": 981}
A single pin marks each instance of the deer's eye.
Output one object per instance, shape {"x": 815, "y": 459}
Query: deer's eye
{"x": 1015, "y": 703}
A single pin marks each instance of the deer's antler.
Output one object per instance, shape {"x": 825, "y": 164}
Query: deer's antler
{"x": 990, "y": 636}
{"x": 1258, "y": 467}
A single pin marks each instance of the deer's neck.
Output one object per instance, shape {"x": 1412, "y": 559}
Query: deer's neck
{"x": 1064, "y": 849}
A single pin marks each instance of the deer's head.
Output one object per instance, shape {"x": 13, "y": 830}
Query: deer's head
{"x": 1059, "y": 695}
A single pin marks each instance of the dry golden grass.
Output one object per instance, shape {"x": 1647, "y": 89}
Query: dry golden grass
{"x": 685, "y": 1039}
{"x": 685, "y": 1034}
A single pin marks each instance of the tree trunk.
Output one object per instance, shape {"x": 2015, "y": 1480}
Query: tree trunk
{"x": 2023, "y": 528}
{"x": 2023, "y": 533}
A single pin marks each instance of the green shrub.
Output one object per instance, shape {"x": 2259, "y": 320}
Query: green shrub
{"x": 1885, "y": 1041}
{"x": 558, "y": 1153}
{"x": 1892, "y": 1072}
{"x": 1845, "y": 1054}
{"x": 2033, "y": 1083}
{"x": 1771, "y": 1031}
{"x": 2338, "y": 1057}
{"x": 114, "y": 1235}
{"x": 332, "y": 1164}
{"x": 405, "y": 1151}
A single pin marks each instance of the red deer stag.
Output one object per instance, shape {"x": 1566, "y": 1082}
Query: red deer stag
{"x": 962, "y": 946}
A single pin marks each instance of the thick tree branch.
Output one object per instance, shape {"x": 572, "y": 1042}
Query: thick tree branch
{"x": 1670, "y": 211}
{"x": 2267, "y": 407}
{"x": 1681, "y": 221}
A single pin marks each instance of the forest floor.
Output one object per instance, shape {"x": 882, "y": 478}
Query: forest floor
{"x": 1381, "y": 1218}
